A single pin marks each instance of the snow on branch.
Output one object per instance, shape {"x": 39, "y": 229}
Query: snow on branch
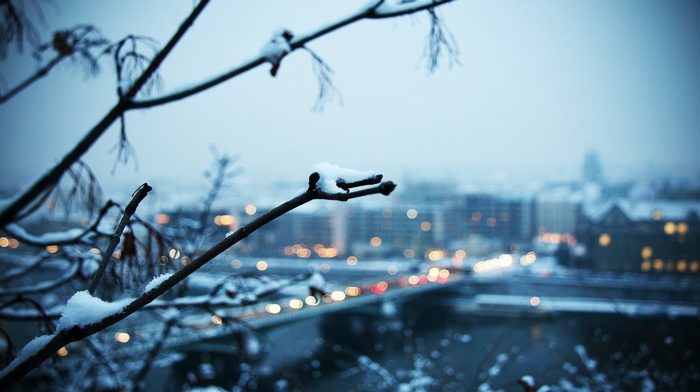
{"x": 283, "y": 43}
{"x": 276, "y": 48}
{"x": 52, "y": 238}
{"x": 83, "y": 309}
{"x": 43, "y": 286}
{"x": 334, "y": 179}
{"x": 337, "y": 183}
{"x": 86, "y": 315}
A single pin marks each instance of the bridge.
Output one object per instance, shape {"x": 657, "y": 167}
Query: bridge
{"x": 512, "y": 291}
{"x": 282, "y": 310}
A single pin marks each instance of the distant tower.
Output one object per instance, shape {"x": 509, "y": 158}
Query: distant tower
{"x": 592, "y": 171}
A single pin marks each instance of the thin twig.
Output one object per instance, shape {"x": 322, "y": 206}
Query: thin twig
{"x": 15, "y": 371}
{"x": 15, "y": 208}
{"x": 130, "y": 209}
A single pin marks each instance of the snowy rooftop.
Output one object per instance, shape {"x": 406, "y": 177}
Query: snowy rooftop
{"x": 647, "y": 210}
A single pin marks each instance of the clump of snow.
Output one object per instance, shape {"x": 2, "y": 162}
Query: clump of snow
{"x": 317, "y": 281}
{"x": 528, "y": 380}
{"x": 330, "y": 174}
{"x": 389, "y": 309}
{"x": 83, "y": 309}
{"x": 385, "y": 378}
{"x": 28, "y": 351}
{"x": 46, "y": 238}
{"x": 647, "y": 385}
{"x": 585, "y": 359}
{"x": 276, "y": 48}
{"x": 157, "y": 281}
{"x": 495, "y": 370}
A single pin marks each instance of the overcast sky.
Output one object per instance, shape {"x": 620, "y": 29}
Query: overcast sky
{"x": 540, "y": 83}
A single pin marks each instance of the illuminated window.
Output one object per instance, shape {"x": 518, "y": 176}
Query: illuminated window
{"x": 646, "y": 252}
{"x": 682, "y": 266}
{"x": 476, "y": 216}
{"x": 694, "y": 266}
{"x": 658, "y": 265}
{"x": 425, "y": 226}
{"x": 682, "y": 228}
{"x": 491, "y": 222}
{"x": 375, "y": 241}
{"x": 670, "y": 228}
{"x": 646, "y": 265}
{"x": 604, "y": 239}
{"x": 411, "y": 214}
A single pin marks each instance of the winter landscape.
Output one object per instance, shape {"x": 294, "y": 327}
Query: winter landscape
{"x": 383, "y": 195}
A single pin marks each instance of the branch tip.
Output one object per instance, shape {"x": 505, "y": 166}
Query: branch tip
{"x": 313, "y": 180}
{"x": 387, "y": 187}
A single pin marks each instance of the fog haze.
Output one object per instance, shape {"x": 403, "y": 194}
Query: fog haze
{"x": 538, "y": 84}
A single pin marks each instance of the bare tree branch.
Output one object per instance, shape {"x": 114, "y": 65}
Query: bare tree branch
{"x": 76, "y": 44}
{"x": 130, "y": 209}
{"x": 377, "y": 10}
{"x": 440, "y": 39}
{"x": 326, "y": 88}
{"x": 16, "y": 27}
{"x": 16, "y": 206}
{"x": 49, "y": 344}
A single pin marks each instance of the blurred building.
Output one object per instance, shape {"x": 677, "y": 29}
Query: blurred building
{"x": 510, "y": 220}
{"x": 658, "y": 236}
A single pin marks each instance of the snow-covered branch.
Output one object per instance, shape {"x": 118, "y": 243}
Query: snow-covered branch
{"x": 86, "y": 315}
{"x": 283, "y": 43}
{"x": 376, "y": 9}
